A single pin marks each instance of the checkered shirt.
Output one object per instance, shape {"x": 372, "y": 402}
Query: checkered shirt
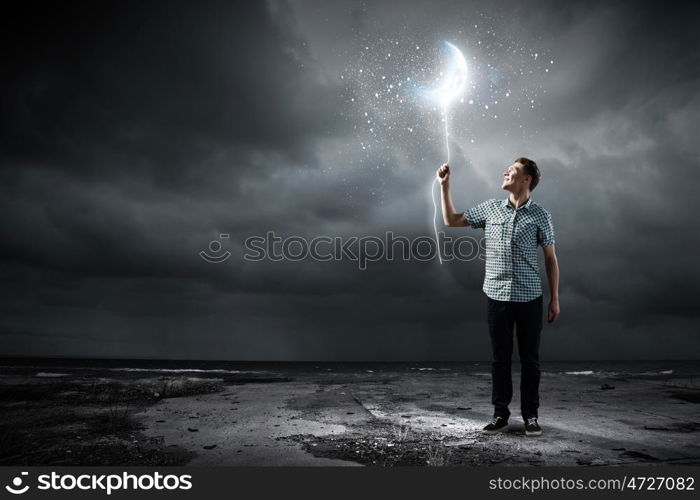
{"x": 512, "y": 272}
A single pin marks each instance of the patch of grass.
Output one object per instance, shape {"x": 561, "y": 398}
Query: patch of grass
{"x": 437, "y": 455}
{"x": 115, "y": 419}
{"x": 11, "y": 393}
{"x": 180, "y": 387}
{"x": 400, "y": 432}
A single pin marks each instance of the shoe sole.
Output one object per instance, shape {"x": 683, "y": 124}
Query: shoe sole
{"x": 490, "y": 433}
{"x": 533, "y": 433}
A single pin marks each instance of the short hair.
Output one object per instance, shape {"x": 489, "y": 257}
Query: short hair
{"x": 530, "y": 168}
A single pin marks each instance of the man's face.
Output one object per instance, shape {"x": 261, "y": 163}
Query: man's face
{"x": 514, "y": 177}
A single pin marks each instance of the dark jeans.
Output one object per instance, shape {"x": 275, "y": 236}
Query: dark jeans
{"x": 527, "y": 318}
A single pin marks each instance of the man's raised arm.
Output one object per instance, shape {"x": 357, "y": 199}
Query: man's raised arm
{"x": 450, "y": 216}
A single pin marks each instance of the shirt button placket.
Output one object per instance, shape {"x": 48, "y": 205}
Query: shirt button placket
{"x": 509, "y": 233}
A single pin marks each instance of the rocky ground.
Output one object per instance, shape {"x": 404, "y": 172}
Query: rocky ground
{"x": 384, "y": 415}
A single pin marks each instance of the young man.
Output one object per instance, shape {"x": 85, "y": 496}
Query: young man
{"x": 513, "y": 228}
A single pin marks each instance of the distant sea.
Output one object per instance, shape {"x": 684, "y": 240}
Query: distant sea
{"x": 130, "y": 368}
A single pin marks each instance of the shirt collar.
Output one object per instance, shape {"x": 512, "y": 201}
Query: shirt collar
{"x": 506, "y": 203}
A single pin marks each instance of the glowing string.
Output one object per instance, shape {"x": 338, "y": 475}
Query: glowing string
{"x": 432, "y": 186}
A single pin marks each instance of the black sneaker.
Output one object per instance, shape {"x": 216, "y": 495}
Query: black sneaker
{"x": 498, "y": 424}
{"x": 532, "y": 428}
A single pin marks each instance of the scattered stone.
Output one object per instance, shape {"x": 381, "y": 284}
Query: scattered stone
{"x": 209, "y": 446}
{"x": 606, "y": 387}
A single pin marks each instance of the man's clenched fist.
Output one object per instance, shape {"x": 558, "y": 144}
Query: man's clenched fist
{"x": 443, "y": 174}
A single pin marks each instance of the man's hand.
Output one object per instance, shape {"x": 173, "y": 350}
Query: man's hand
{"x": 553, "y": 312}
{"x": 450, "y": 216}
{"x": 443, "y": 174}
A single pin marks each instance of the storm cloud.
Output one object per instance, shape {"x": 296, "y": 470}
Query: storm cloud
{"x": 134, "y": 134}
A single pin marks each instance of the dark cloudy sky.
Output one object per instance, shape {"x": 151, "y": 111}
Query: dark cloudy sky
{"x": 132, "y": 134}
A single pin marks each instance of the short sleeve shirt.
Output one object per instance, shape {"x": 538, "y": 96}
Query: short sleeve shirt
{"x": 512, "y": 237}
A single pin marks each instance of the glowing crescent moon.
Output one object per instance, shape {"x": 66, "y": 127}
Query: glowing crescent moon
{"x": 454, "y": 81}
